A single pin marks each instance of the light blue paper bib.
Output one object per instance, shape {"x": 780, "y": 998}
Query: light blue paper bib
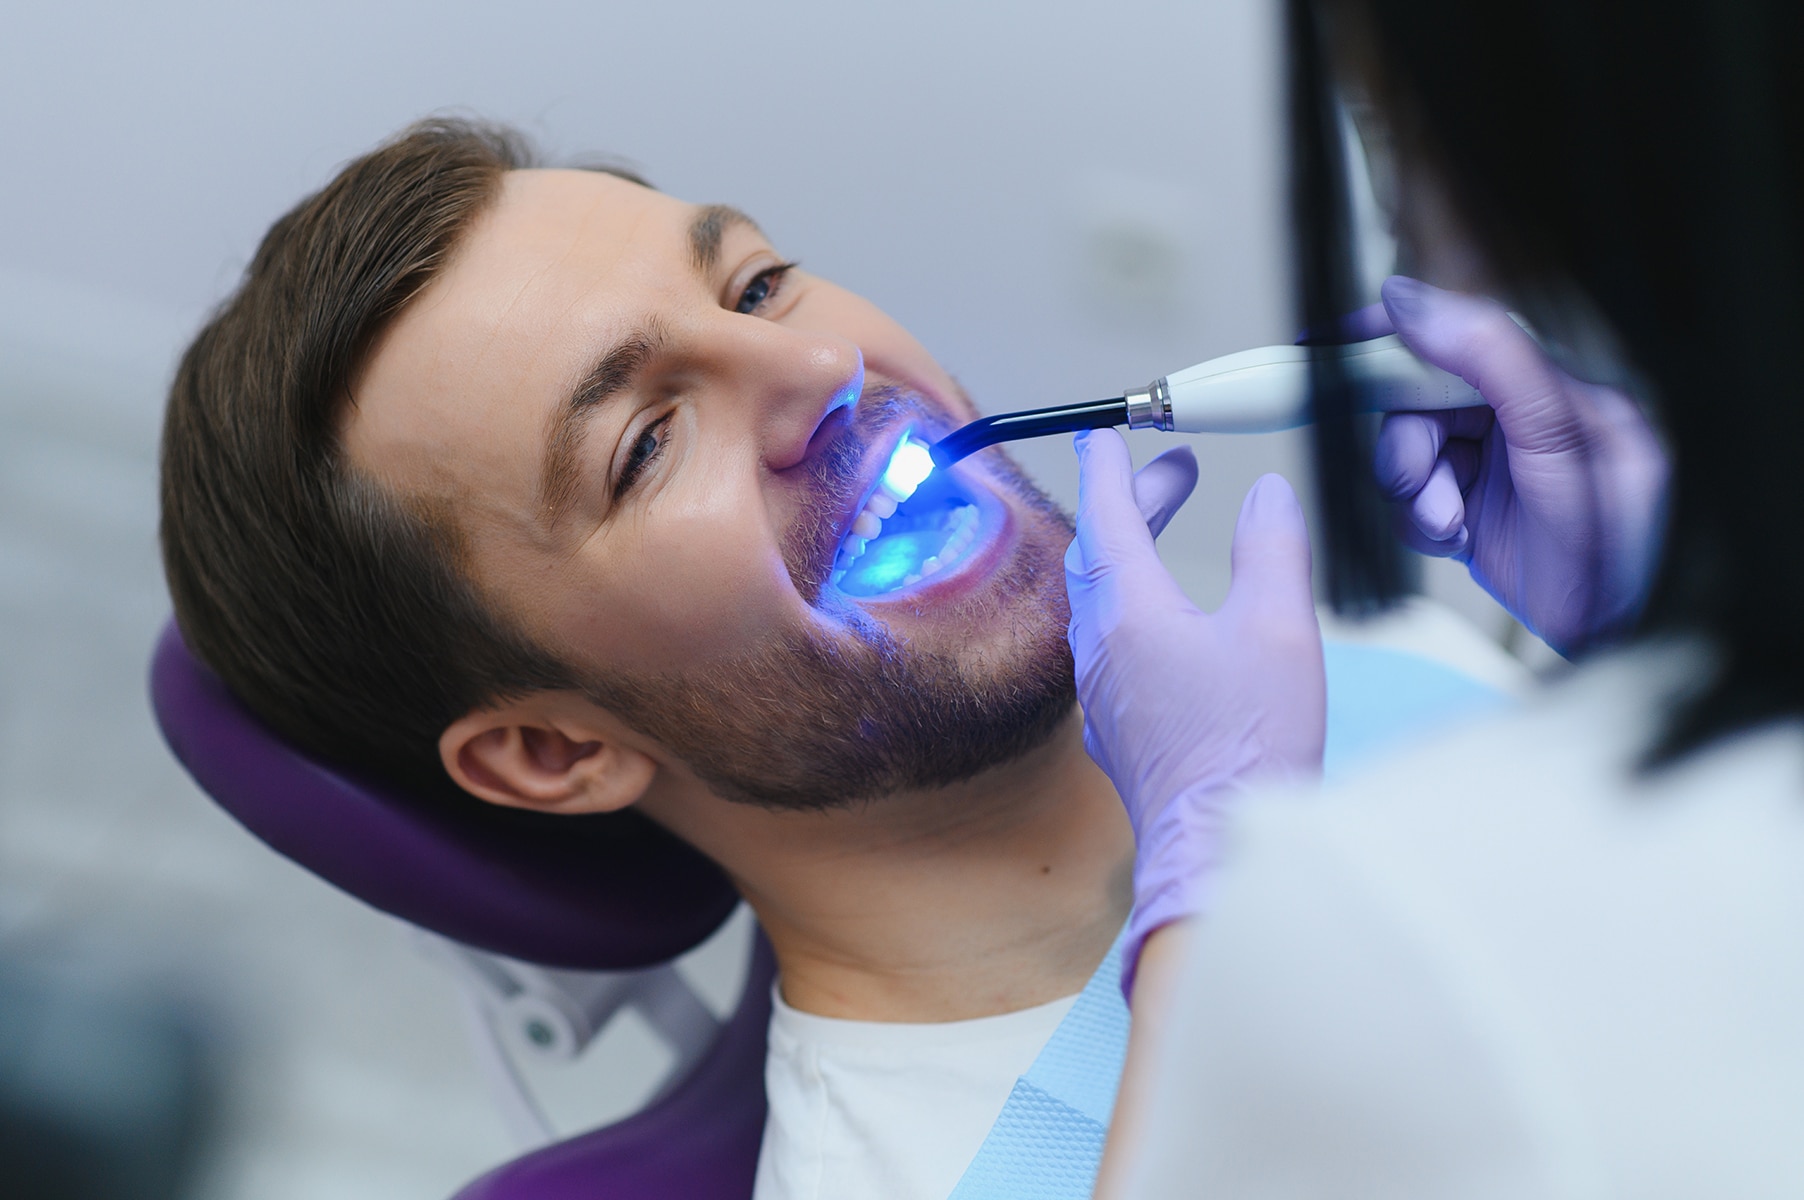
{"x": 1048, "y": 1141}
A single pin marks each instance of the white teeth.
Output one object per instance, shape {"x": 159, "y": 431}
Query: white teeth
{"x": 865, "y": 526}
{"x": 964, "y": 532}
{"x": 869, "y": 525}
{"x": 884, "y": 489}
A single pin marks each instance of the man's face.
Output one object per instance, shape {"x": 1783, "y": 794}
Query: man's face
{"x": 659, "y": 445}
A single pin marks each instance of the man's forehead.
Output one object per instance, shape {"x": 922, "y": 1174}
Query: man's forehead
{"x": 573, "y": 255}
{"x": 593, "y": 210}
{"x": 557, "y": 213}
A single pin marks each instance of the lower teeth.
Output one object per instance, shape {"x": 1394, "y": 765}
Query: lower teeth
{"x": 901, "y": 557}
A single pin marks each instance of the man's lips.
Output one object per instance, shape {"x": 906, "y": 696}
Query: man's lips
{"x": 844, "y": 470}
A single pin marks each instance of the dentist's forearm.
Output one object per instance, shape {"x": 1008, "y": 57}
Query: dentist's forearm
{"x": 1160, "y": 959}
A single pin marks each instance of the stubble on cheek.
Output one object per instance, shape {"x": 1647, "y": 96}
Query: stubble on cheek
{"x": 847, "y": 711}
{"x": 820, "y": 714}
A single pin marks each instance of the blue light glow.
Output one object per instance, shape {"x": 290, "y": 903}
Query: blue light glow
{"x": 887, "y": 565}
{"x": 908, "y": 466}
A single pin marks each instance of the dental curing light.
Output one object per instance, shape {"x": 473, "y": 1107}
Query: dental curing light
{"x": 911, "y": 463}
{"x": 1254, "y": 391}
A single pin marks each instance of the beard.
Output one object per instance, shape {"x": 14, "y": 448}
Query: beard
{"x": 814, "y": 720}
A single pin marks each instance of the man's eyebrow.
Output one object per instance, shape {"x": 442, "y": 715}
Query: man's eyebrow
{"x": 615, "y": 372}
{"x": 706, "y": 230}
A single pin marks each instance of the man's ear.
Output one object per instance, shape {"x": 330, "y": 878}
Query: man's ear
{"x": 550, "y": 756}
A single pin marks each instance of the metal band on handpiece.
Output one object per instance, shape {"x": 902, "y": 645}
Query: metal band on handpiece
{"x": 1150, "y": 407}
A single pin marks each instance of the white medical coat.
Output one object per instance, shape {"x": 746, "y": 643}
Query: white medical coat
{"x": 1504, "y": 966}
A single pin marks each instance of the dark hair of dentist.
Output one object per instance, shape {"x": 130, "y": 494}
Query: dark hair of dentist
{"x": 1554, "y": 951}
{"x": 1645, "y": 160}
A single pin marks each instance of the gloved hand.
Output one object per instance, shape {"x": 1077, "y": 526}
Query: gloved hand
{"x": 1181, "y": 707}
{"x": 1551, "y": 496}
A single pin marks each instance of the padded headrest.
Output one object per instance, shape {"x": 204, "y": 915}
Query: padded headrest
{"x": 588, "y": 893}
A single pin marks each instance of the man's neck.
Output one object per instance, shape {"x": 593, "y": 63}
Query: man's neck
{"x": 988, "y": 897}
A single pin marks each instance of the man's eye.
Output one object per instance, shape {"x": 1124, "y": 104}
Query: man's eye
{"x": 763, "y": 286}
{"x": 645, "y": 450}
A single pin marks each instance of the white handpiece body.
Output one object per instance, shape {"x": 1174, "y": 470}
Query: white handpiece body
{"x": 1265, "y": 390}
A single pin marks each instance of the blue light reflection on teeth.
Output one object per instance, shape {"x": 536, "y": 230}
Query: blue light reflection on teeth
{"x": 917, "y": 546}
{"x": 922, "y": 533}
{"x": 887, "y": 566}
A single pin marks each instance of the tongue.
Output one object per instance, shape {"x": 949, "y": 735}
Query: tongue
{"x": 890, "y": 559}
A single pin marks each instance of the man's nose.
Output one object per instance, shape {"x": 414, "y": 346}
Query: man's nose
{"x": 793, "y": 381}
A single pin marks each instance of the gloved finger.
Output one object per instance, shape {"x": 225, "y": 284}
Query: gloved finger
{"x": 1111, "y": 530}
{"x": 1421, "y": 543}
{"x": 1409, "y": 443}
{"x": 1360, "y": 325}
{"x": 1475, "y": 339}
{"x": 1162, "y": 486}
{"x": 1112, "y": 557}
{"x": 1439, "y": 509}
{"x": 1096, "y": 746}
{"x": 1464, "y": 457}
{"x": 1270, "y": 556}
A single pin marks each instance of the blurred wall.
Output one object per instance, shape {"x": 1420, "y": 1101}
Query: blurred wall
{"x": 1060, "y": 200}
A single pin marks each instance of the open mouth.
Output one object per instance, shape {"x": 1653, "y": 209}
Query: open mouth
{"x": 915, "y": 524}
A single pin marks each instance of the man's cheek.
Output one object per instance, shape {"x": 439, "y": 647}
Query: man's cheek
{"x": 703, "y": 595}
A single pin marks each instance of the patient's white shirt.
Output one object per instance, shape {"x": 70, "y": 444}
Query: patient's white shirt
{"x": 885, "y": 1110}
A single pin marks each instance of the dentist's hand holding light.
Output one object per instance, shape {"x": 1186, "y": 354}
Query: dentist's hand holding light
{"x": 1550, "y": 495}
{"x": 1553, "y": 951}
{"x": 1182, "y": 708}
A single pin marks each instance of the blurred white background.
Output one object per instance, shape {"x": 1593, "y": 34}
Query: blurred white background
{"x": 1059, "y": 200}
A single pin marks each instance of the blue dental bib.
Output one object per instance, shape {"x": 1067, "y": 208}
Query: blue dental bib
{"x": 1048, "y": 1140}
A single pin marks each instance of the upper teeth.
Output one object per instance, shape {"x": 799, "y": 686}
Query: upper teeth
{"x": 865, "y": 526}
{"x": 868, "y": 523}
{"x": 958, "y": 523}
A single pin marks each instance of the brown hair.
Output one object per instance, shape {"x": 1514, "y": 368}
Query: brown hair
{"x": 331, "y": 607}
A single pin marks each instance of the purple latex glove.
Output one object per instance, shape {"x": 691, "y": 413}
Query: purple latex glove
{"x": 1551, "y": 496}
{"x": 1182, "y": 708}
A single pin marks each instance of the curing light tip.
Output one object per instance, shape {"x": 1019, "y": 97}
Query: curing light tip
{"x": 908, "y": 466}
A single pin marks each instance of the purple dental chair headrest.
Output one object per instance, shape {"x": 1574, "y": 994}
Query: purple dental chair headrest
{"x": 586, "y": 893}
